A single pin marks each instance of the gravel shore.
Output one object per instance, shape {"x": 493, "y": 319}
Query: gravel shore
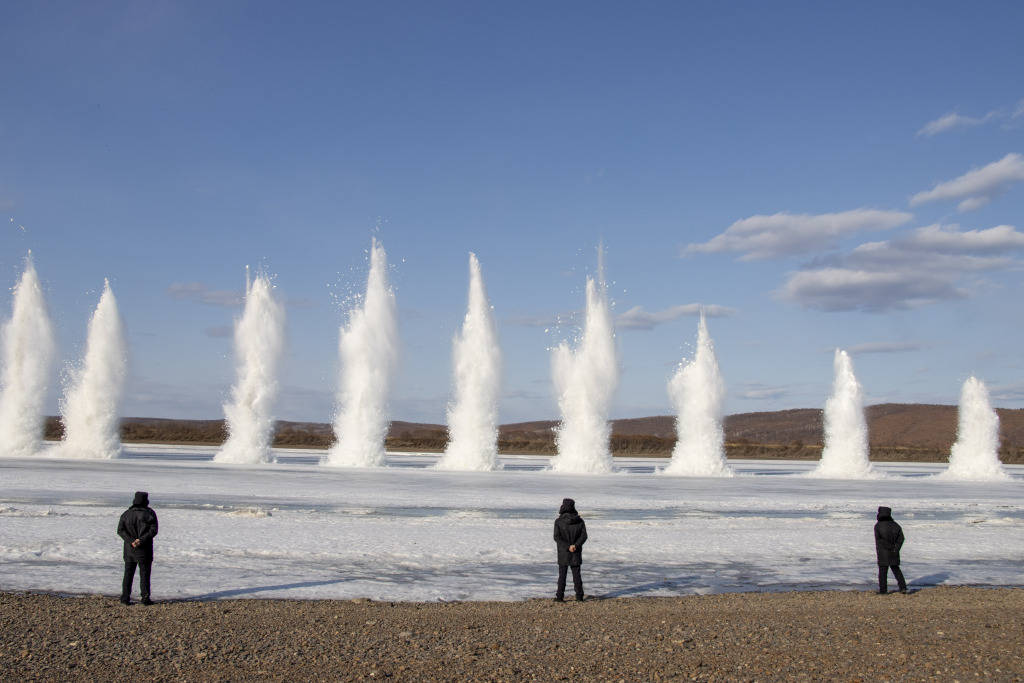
{"x": 939, "y": 633}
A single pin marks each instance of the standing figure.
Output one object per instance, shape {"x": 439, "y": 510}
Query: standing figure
{"x": 137, "y": 527}
{"x": 570, "y": 535}
{"x": 888, "y": 541}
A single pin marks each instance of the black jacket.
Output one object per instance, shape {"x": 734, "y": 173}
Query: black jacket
{"x": 888, "y": 539}
{"x": 570, "y": 529}
{"x": 138, "y": 521}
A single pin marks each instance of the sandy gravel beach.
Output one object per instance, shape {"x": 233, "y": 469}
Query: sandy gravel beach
{"x": 935, "y": 634}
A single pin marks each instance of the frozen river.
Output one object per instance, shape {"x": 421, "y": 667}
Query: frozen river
{"x": 295, "y": 529}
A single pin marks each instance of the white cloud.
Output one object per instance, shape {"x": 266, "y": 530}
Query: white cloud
{"x": 924, "y": 267}
{"x": 200, "y": 293}
{"x": 543, "y": 320}
{"x": 978, "y": 186}
{"x": 906, "y": 255}
{"x": 786, "y": 234}
{"x": 1007, "y": 392}
{"x": 219, "y": 332}
{"x": 947, "y": 122}
{"x": 426, "y": 409}
{"x": 883, "y": 347}
{"x": 146, "y": 397}
{"x": 305, "y": 404}
{"x": 950, "y": 239}
{"x": 953, "y": 120}
{"x": 637, "y": 318}
{"x": 758, "y": 392}
{"x": 845, "y": 289}
{"x": 972, "y": 204}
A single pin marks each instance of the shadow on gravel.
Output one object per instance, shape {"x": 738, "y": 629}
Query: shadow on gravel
{"x": 238, "y": 592}
{"x": 646, "y": 587}
{"x": 698, "y": 577}
{"x": 929, "y": 581}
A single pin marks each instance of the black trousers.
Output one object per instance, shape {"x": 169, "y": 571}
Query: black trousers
{"x": 577, "y": 581}
{"x": 129, "y": 576}
{"x": 883, "y": 577}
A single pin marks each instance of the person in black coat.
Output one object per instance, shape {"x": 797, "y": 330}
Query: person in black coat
{"x": 137, "y": 526}
{"x": 570, "y": 535}
{"x": 888, "y": 541}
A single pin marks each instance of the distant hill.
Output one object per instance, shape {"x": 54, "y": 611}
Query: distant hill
{"x": 907, "y": 425}
{"x": 897, "y": 431}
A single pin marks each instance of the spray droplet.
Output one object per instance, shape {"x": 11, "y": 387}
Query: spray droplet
{"x": 473, "y": 416}
{"x": 975, "y": 455}
{"x": 697, "y": 391}
{"x": 585, "y": 379}
{"x": 368, "y": 348}
{"x": 259, "y": 343}
{"x": 845, "y": 455}
{"x": 28, "y": 363}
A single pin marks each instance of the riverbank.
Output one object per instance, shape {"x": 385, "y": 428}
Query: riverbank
{"x": 945, "y": 633}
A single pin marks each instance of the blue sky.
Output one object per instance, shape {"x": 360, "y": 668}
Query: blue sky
{"x": 830, "y": 176}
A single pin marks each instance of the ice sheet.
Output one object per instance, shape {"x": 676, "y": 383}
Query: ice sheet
{"x": 296, "y": 529}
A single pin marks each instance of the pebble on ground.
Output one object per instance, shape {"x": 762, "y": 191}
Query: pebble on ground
{"x": 939, "y": 633}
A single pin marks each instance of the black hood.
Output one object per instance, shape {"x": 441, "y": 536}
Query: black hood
{"x": 884, "y": 513}
{"x": 568, "y": 505}
{"x": 141, "y": 499}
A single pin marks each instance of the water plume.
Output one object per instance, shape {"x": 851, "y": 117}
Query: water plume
{"x": 473, "y": 416}
{"x": 975, "y": 455}
{"x": 368, "y": 348}
{"x": 259, "y": 342}
{"x": 845, "y": 455}
{"x": 28, "y": 350}
{"x": 91, "y": 409}
{"x": 697, "y": 391}
{"x": 585, "y": 379}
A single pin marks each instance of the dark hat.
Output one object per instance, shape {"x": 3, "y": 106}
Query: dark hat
{"x": 568, "y": 505}
{"x": 141, "y": 499}
{"x": 884, "y": 512}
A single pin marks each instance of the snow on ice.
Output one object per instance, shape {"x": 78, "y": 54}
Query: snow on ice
{"x": 296, "y": 529}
